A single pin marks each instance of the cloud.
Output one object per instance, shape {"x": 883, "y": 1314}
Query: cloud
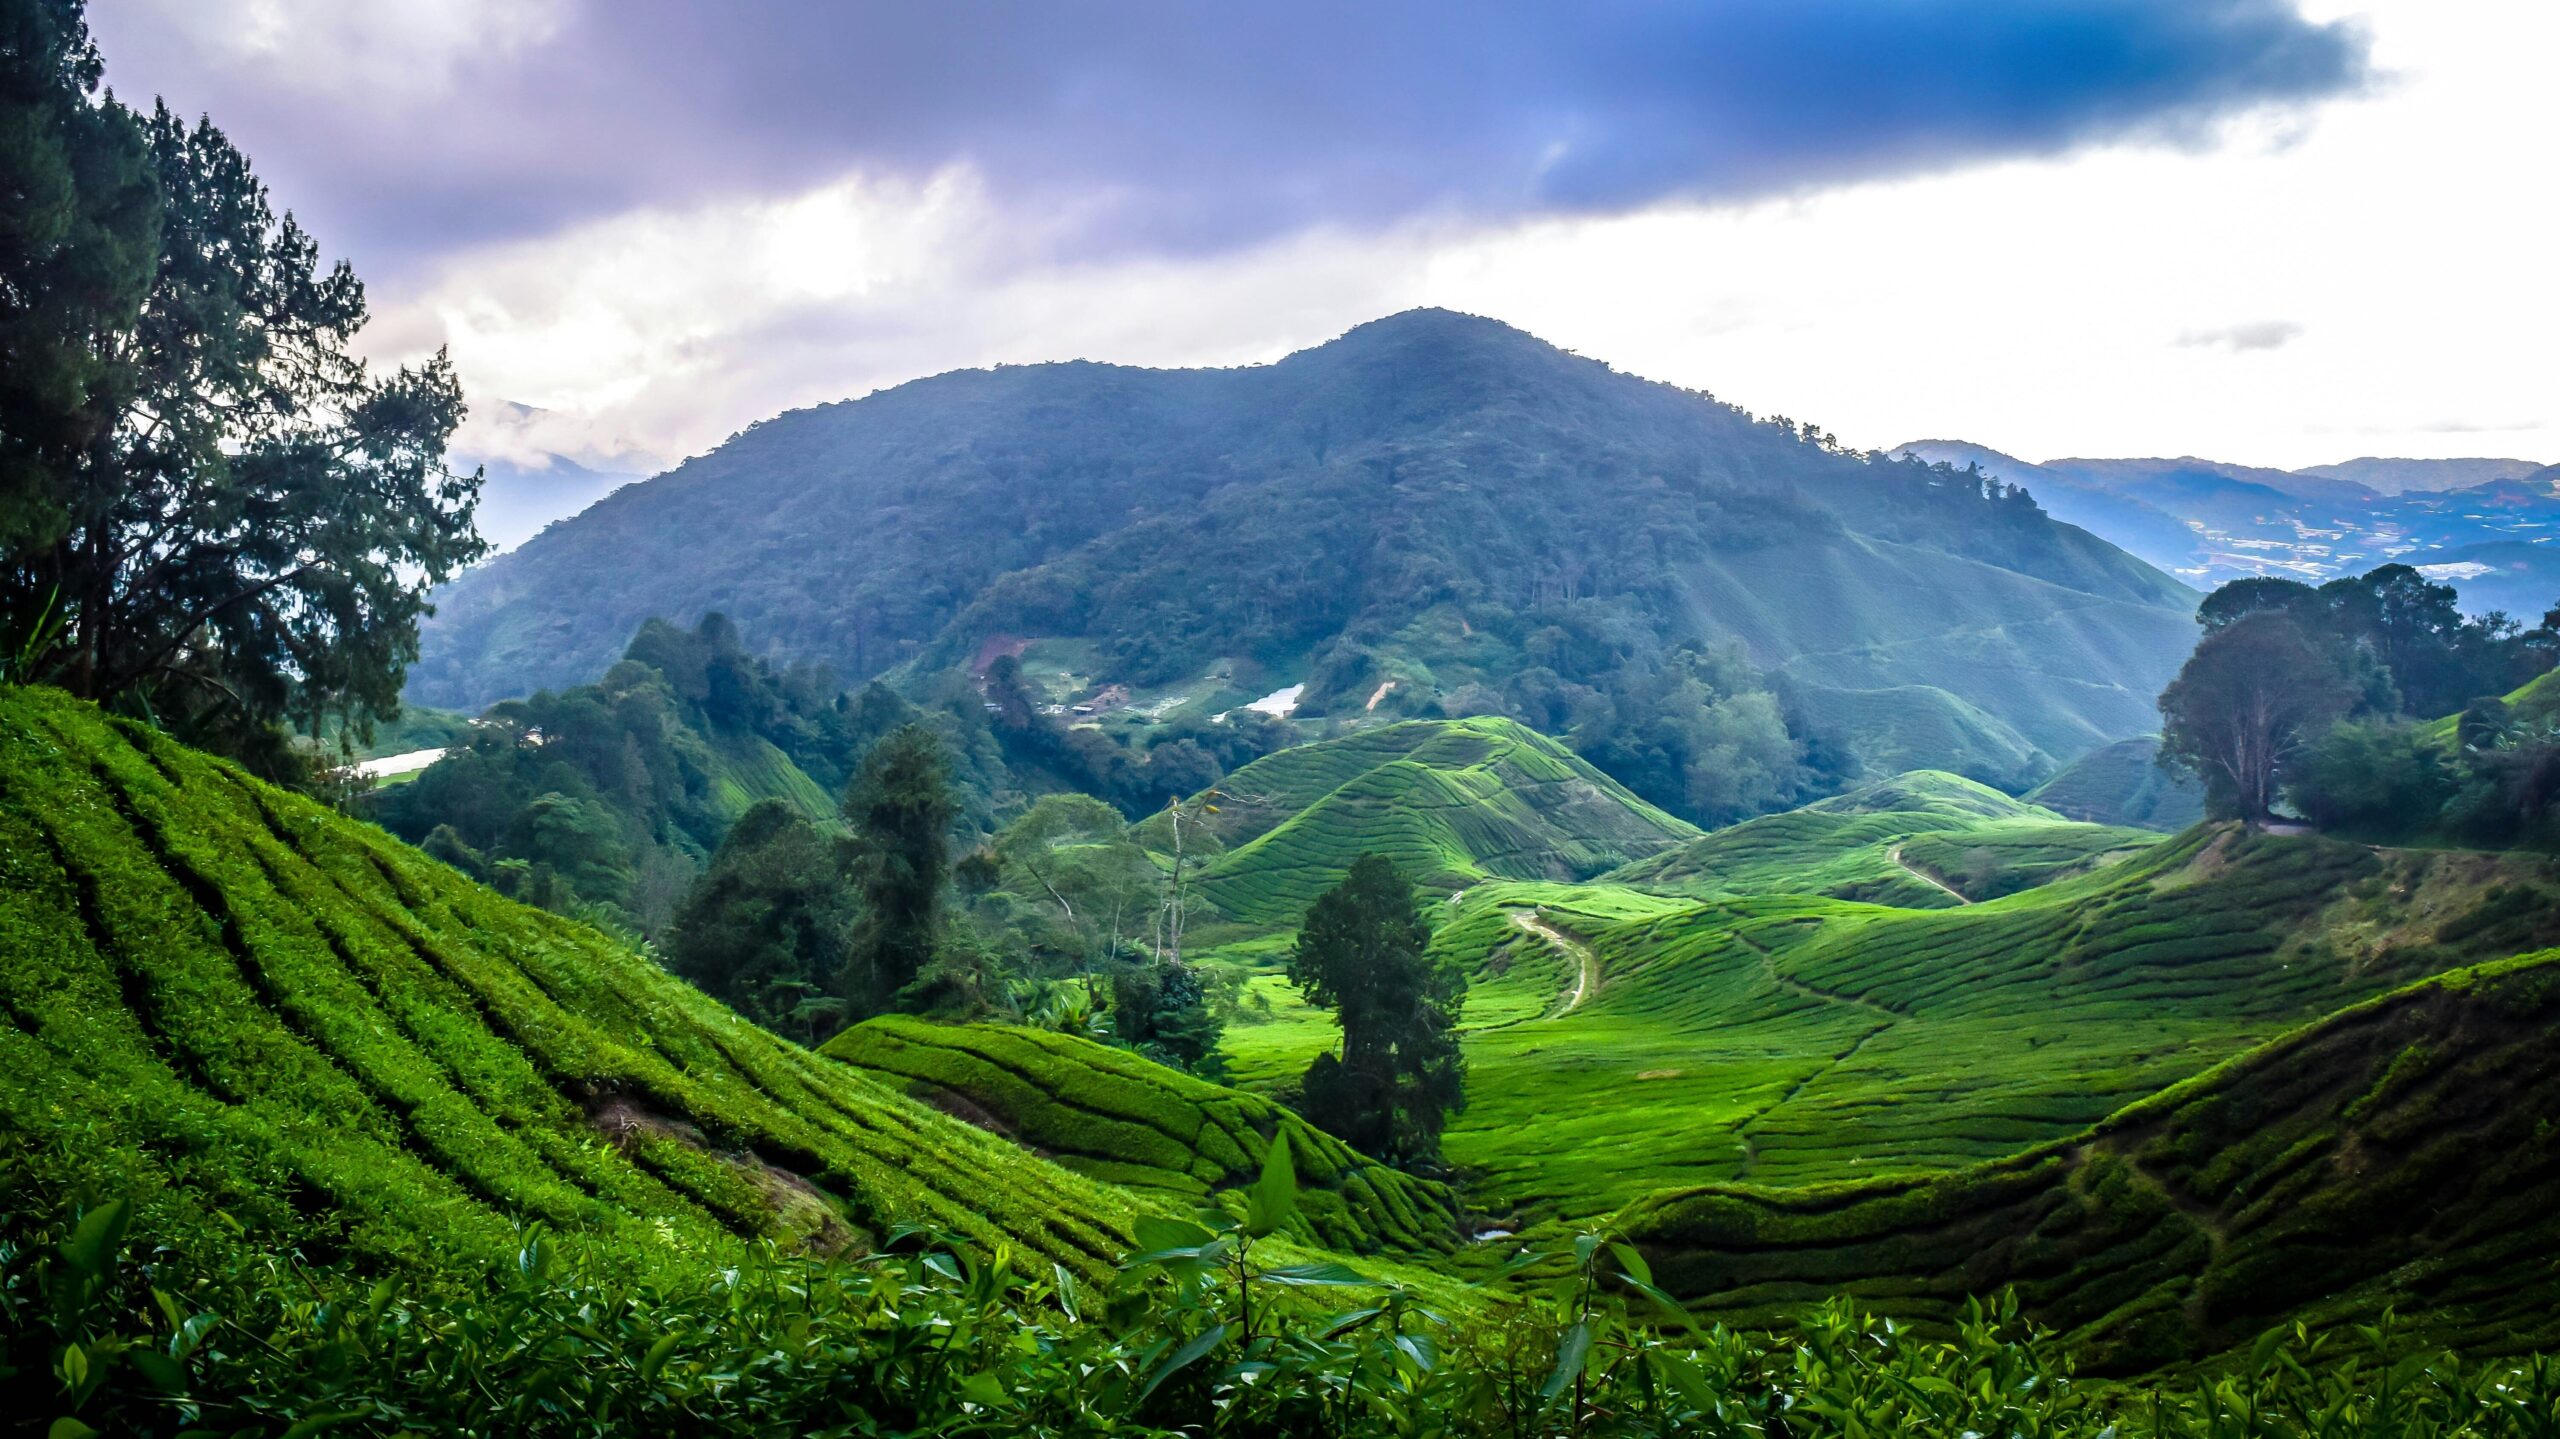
{"x": 408, "y": 131}
{"x": 2256, "y": 335}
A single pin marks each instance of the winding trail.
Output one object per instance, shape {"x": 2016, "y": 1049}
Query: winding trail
{"x": 1583, "y": 983}
{"x": 1895, "y": 854}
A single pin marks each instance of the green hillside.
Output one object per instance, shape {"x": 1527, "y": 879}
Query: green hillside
{"x": 1432, "y": 499}
{"x": 1126, "y": 1120}
{"x": 1621, "y": 1041}
{"x": 1453, "y": 802}
{"x": 2394, "y": 1156}
{"x": 2123, "y": 783}
{"x": 1924, "y": 840}
{"x": 243, "y": 1010}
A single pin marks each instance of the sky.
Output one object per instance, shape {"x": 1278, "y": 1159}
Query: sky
{"x": 2275, "y": 232}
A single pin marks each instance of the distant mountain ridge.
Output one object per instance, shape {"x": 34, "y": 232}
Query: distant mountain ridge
{"x": 2486, "y": 525}
{"x": 1433, "y": 500}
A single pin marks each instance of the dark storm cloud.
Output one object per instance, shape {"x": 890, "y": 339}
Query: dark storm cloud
{"x": 1194, "y": 126}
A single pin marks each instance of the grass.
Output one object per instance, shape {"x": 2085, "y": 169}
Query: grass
{"x": 2394, "y": 1155}
{"x": 1453, "y": 802}
{"x": 272, "y": 1024}
{"x": 1127, "y": 1120}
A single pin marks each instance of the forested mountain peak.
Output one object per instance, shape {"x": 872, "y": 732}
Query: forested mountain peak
{"x": 1432, "y": 514}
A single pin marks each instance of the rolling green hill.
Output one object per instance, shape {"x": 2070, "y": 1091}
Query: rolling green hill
{"x": 1619, "y": 1041}
{"x": 1433, "y": 499}
{"x": 1924, "y": 840}
{"x": 270, "y": 1024}
{"x": 2123, "y": 783}
{"x": 2395, "y": 1155}
{"x": 1453, "y": 802}
{"x": 1126, "y": 1120}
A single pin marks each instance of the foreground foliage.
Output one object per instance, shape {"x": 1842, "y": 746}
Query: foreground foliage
{"x": 99, "y": 1335}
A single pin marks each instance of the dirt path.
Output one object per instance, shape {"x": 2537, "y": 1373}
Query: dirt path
{"x": 1931, "y": 880}
{"x": 1584, "y": 982}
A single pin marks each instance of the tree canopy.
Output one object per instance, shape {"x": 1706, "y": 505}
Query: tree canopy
{"x": 213, "y": 511}
{"x": 1363, "y": 952}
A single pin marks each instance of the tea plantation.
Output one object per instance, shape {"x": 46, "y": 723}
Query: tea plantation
{"x": 2395, "y": 1156}
{"x": 1731, "y": 1031}
{"x": 262, "y": 1021}
{"x": 1451, "y": 801}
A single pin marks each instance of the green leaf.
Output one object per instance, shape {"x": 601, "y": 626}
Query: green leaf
{"x": 163, "y": 1373}
{"x": 659, "y": 1353}
{"x": 1633, "y": 1263}
{"x": 1201, "y": 1343}
{"x": 1571, "y": 1353}
{"x": 1158, "y": 1232}
{"x": 984, "y": 1388}
{"x": 1341, "y": 1324}
{"x": 93, "y": 1246}
{"x": 1316, "y": 1275}
{"x": 67, "y": 1427}
{"x": 304, "y": 1429}
{"x": 1275, "y": 1194}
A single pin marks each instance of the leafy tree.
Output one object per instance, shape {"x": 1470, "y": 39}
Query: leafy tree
{"x": 77, "y": 238}
{"x": 232, "y": 522}
{"x": 900, "y": 807}
{"x": 2253, "y": 692}
{"x": 1069, "y": 884}
{"x": 766, "y": 929}
{"x": 1363, "y": 952}
{"x": 1163, "y": 1011}
{"x": 2378, "y": 776}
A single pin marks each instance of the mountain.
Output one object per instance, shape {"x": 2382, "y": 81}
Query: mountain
{"x": 2144, "y": 530}
{"x": 1453, "y": 802}
{"x": 517, "y": 500}
{"x": 2472, "y": 523}
{"x": 2394, "y": 1157}
{"x": 269, "y": 1025}
{"x": 2393, "y": 477}
{"x": 1431, "y": 506}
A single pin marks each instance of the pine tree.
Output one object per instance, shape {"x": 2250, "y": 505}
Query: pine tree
{"x": 1363, "y": 952}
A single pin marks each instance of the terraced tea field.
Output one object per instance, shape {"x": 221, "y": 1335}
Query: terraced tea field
{"x": 1784, "y": 1039}
{"x": 2393, "y": 1156}
{"x": 1110, "y": 1114}
{"x": 221, "y": 997}
{"x": 1451, "y": 801}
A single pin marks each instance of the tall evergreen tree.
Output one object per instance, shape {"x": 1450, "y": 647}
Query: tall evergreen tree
{"x": 210, "y": 509}
{"x": 1363, "y": 952}
{"x": 900, "y": 807}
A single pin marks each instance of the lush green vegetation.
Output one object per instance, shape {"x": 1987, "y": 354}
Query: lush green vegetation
{"x": 1910, "y": 841}
{"x": 1200, "y": 1336}
{"x": 1115, "y": 1116}
{"x": 2317, "y": 695}
{"x": 1435, "y": 513}
{"x": 607, "y": 799}
{"x": 1619, "y": 1041}
{"x": 272, "y": 1027}
{"x": 183, "y": 418}
{"x": 1363, "y": 953}
{"x": 1450, "y": 802}
{"x": 2393, "y": 1156}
